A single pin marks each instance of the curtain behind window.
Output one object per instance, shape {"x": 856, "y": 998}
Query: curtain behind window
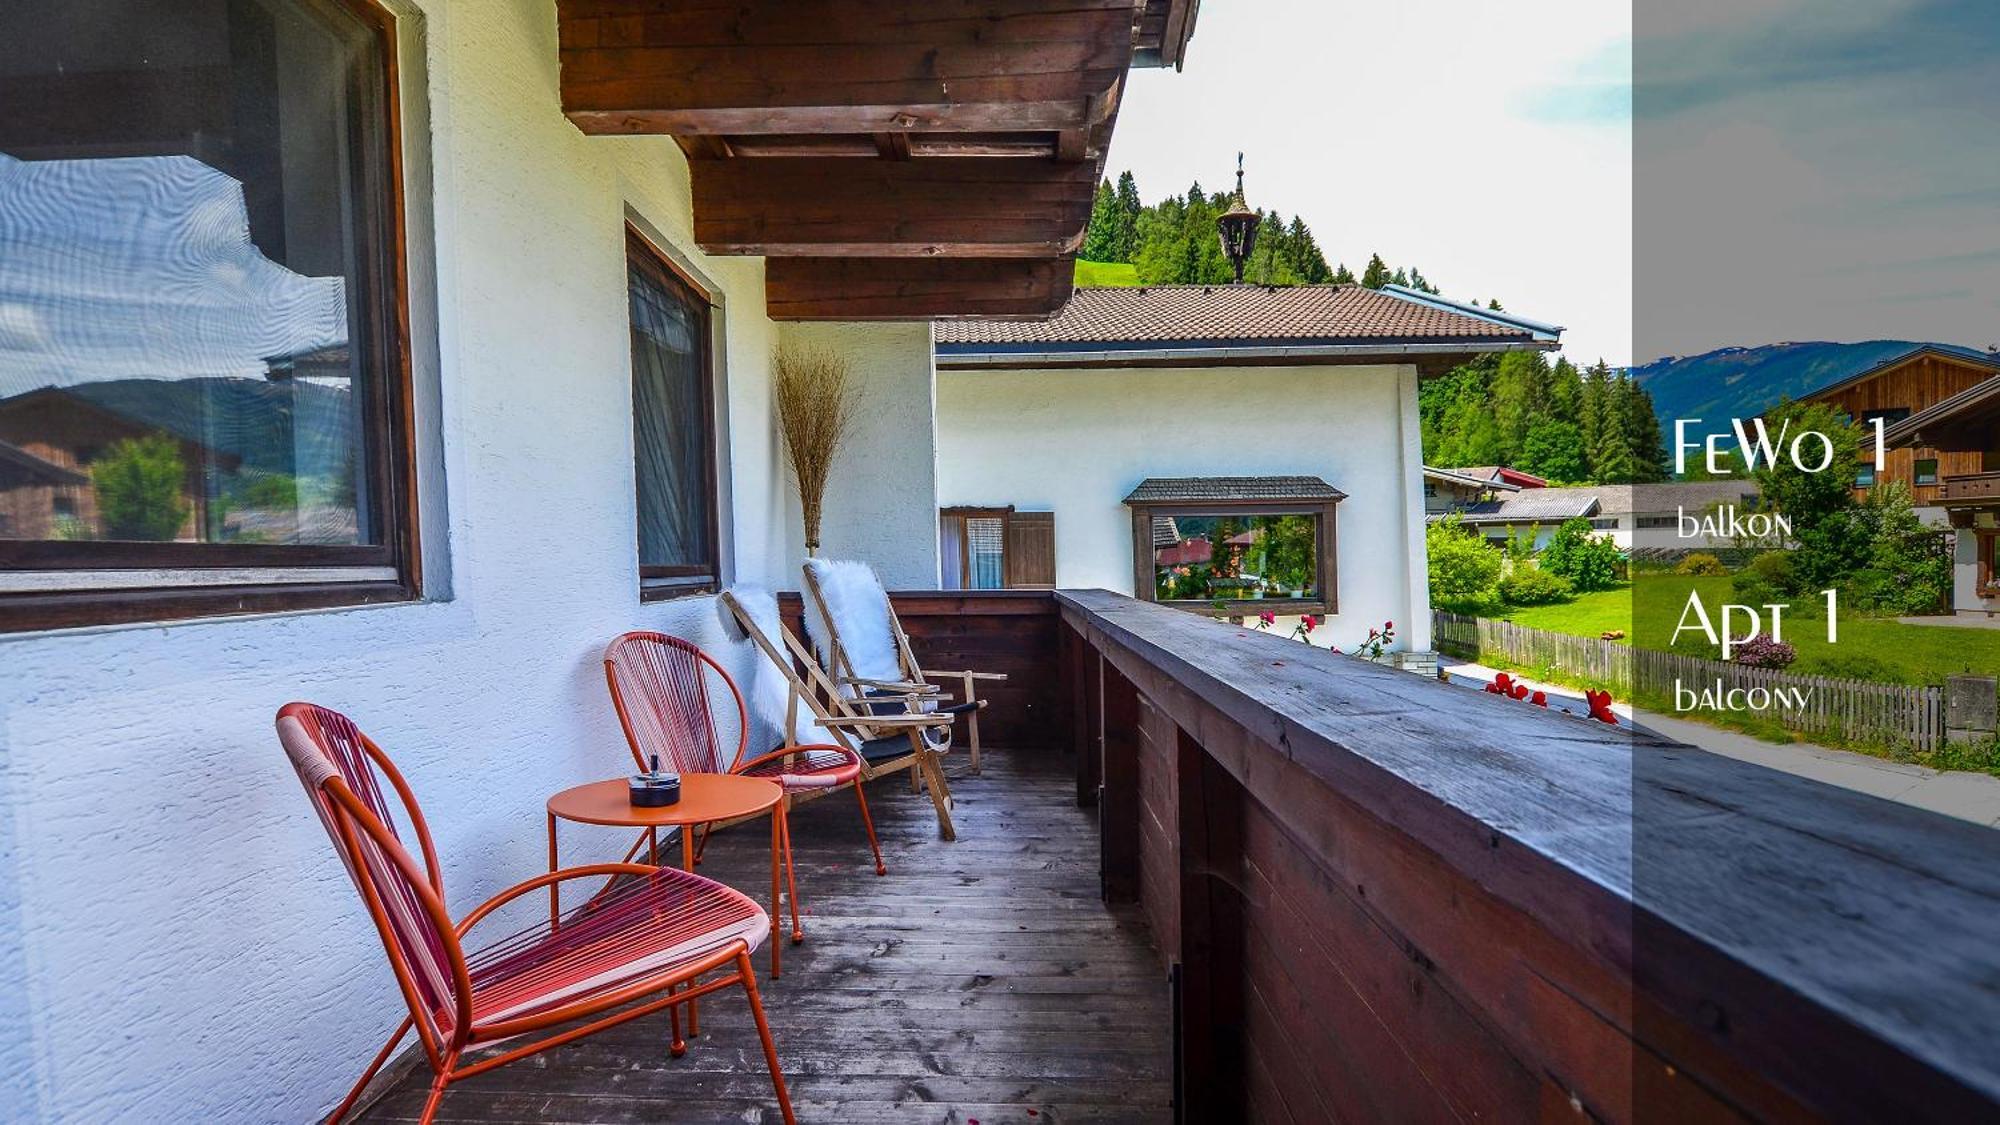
{"x": 670, "y": 424}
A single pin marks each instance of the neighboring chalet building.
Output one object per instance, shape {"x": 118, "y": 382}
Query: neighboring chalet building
{"x": 1899, "y": 388}
{"x": 1964, "y": 431}
{"x": 1197, "y": 443}
{"x": 1641, "y": 517}
{"x": 1451, "y": 490}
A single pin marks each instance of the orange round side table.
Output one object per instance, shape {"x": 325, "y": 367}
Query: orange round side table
{"x": 706, "y": 798}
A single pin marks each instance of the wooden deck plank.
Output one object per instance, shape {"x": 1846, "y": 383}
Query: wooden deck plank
{"x": 976, "y": 981}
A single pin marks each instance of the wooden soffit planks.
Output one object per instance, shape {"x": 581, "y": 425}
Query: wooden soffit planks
{"x": 942, "y": 207}
{"x": 693, "y": 67}
{"x": 907, "y": 288}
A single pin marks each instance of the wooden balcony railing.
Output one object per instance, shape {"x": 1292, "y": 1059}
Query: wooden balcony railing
{"x": 1384, "y": 898}
{"x": 1969, "y": 486}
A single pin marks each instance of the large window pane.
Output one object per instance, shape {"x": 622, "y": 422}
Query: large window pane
{"x": 672, "y": 425}
{"x": 197, "y": 298}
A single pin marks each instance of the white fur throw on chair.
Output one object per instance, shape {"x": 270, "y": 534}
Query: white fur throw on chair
{"x": 860, "y": 608}
{"x": 769, "y": 693}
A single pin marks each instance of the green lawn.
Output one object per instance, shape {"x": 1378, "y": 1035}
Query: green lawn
{"x": 1103, "y": 274}
{"x": 1869, "y": 648}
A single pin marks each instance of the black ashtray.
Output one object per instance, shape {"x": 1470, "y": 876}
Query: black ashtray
{"x": 654, "y": 790}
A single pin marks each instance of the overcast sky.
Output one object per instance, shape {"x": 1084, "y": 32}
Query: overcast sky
{"x": 1807, "y": 169}
{"x": 1487, "y": 144}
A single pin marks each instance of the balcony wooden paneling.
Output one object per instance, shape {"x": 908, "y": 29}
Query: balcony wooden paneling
{"x": 1392, "y": 899}
{"x": 1970, "y": 488}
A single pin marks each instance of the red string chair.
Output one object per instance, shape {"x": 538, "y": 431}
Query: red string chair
{"x": 659, "y": 684}
{"x": 650, "y": 931}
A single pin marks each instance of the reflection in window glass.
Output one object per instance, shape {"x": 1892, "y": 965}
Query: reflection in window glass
{"x": 1203, "y": 558}
{"x": 194, "y": 259}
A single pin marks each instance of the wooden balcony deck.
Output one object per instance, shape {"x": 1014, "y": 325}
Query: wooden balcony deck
{"x": 979, "y": 980}
{"x": 1385, "y": 899}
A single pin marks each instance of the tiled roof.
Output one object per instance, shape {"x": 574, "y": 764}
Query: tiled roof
{"x": 1234, "y": 315}
{"x": 1537, "y": 505}
{"x": 1547, "y": 505}
{"x": 1196, "y": 490}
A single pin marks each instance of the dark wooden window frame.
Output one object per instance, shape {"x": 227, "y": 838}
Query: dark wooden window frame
{"x": 660, "y": 583}
{"x": 1325, "y": 548}
{"x": 1917, "y": 473}
{"x": 388, "y": 414}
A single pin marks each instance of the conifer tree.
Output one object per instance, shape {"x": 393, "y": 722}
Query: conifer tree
{"x": 1129, "y": 207}
{"x": 1343, "y": 275}
{"x": 1377, "y": 273}
{"x": 1100, "y": 239}
{"x": 1642, "y": 432}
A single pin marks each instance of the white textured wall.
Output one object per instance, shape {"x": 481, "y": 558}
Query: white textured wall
{"x": 1075, "y": 442}
{"x": 190, "y": 948}
{"x": 881, "y": 502}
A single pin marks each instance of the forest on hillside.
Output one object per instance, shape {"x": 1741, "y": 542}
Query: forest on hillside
{"x": 1589, "y": 426}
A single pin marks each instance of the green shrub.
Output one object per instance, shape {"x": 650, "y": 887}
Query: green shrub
{"x": 140, "y": 484}
{"x": 1528, "y": 585}
{"x": 1463, "y": 569}
{"x": 1590, "y": 562}
{"x": 1909, "y": 568}
{"x": 1768, "y": 579}
{"x": 1701, "y": 564}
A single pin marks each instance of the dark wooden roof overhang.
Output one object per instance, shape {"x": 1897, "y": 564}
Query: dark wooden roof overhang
{"x": 895, "y": 159}
{"x": 1966, "y": 422}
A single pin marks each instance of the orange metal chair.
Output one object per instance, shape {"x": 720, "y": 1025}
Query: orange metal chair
{"x": 659, "y": 684}
{"x": 649, "y": 931}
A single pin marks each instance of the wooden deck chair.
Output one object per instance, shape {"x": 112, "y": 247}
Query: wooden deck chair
{"x": 804, "y": 704}
{"x": 860, "y": 641}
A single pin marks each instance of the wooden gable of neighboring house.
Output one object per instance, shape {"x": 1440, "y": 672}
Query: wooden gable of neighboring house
{"x": 1902, "y": 387}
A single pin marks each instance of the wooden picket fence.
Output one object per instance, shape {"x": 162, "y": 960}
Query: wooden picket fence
{"x": 1843, "y": 709}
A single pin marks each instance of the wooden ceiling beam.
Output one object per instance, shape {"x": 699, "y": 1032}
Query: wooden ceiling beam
{"x": 937, "y": 207}
{"x": 839, "y": 66}
{"x": 914, "y": 288}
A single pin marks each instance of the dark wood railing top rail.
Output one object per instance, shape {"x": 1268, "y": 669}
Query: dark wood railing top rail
{"x": 1843, "y": 948}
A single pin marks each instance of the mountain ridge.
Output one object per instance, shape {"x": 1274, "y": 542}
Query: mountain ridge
{"x": 1743, "y": 381}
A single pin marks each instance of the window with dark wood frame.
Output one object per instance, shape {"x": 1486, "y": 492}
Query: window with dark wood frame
{"x": 673, "y": 426}
{"x": 1324, "y": 596}
{"x": 1989, "y": 564}
{"x": 997, "y": 549}
{"x": 219, "y": 421}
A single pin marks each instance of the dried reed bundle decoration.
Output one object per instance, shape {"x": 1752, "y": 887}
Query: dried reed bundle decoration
{"x": 816, "y": 402}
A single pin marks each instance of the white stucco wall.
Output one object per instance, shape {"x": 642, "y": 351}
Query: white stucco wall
{"x": 1075, "y": 442}
{"x": 881, "y": 499}
{"x": 188, "y": 948}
